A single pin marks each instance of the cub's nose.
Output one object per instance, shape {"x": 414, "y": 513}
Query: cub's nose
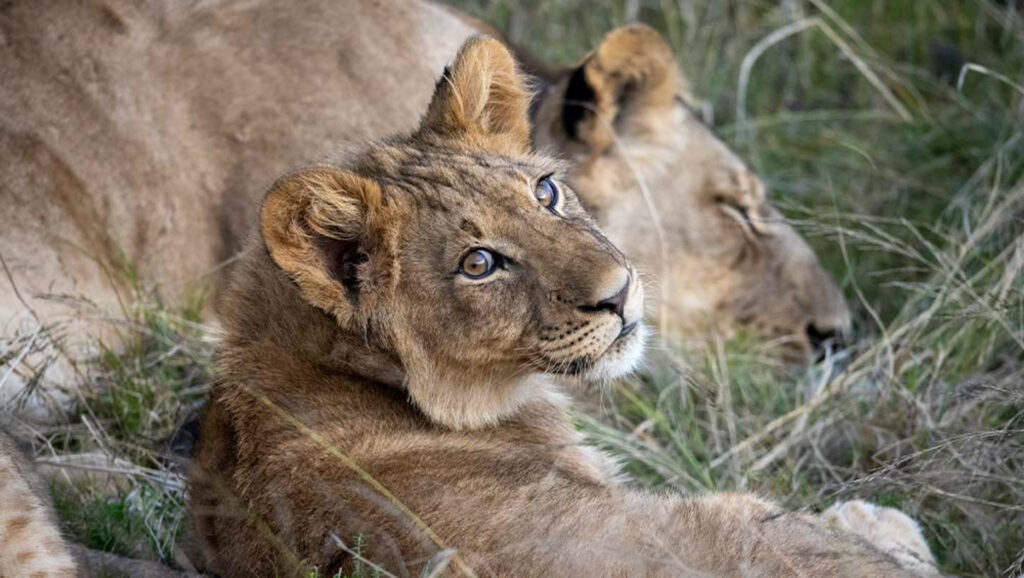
{"x": 615, "y": 303}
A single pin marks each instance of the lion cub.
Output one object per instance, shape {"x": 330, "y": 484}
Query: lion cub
{"x": 386, "y": 384}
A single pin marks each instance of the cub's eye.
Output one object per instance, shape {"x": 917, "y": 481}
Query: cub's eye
{"x": 547, "y": 193}
{"x": 479, "y": 263}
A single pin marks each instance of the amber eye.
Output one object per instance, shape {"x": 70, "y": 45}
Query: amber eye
{"x": 479, "y": 263}
{"x": 546, "y": 193}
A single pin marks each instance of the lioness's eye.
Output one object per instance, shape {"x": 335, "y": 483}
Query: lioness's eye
{"x": 479, "y": 263}
{"x": 742, "y": 214}
{"x": 546, "y": 193}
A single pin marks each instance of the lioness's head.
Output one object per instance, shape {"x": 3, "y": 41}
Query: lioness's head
{"x": 459, "y": 254}
{"x": 675, "y": 199}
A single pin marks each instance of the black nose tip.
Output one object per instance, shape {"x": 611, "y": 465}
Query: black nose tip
{"x": 822, "y": 338}
{"x": 615, "y": 304}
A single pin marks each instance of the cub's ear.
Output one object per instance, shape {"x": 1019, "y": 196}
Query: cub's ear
{"x": 316, "y": 224}
{"x": 632, "y": 69}
{"x": 482, "y": 97}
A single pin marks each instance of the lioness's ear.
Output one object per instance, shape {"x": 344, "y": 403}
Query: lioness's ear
{"x": 633, "y": 68}
{"x": 316, "y": 226}
{"x": 483, "y": 97}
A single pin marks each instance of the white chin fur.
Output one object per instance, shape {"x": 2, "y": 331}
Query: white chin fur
{"x": 621, "y": 358}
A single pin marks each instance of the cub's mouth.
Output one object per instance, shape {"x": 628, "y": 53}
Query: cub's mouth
{"x": 619, "y": 358}
{"x": 600, "y": 342}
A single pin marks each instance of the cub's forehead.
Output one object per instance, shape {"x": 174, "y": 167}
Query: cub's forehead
{"x": 453, "y": 178}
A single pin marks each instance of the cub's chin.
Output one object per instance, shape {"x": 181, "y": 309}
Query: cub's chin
{"x": 621, "y": 358}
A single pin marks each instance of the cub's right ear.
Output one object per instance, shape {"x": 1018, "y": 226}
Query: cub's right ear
{"x": 317, "y": 226}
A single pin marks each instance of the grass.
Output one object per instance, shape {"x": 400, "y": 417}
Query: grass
{"x": 906, "y": 178}
{"x": 119, "y": 487}
{"x": 361, "y": 568}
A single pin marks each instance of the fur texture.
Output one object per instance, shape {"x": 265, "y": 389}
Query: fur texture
{"x": 369, "y": 393}
{"x": 135, "y": 138}
{"x": 31, "y": 545}
{"x": 888, "y": 529}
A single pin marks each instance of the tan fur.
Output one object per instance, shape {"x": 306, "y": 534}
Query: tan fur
{"x": 638, "y": 135}
{"x": 30, "y": 542}
{"x": 888, "y": 529}
{"x": 139, "y": 135}
{"x": 367, "y": 393}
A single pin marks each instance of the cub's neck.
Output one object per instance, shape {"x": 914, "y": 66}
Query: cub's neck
{"x": 267, "y": 324}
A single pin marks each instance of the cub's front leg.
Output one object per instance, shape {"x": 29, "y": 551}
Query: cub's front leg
{"x": 887, "y": 529}
{"x": 726, "y": 534}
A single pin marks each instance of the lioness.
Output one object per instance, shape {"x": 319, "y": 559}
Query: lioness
{"x": 134, "y": 137}
{"x": 386, "y": 393}
{"x": 676, "y": 200}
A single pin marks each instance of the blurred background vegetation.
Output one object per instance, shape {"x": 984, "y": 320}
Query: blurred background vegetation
{"x": 890, "y": 133}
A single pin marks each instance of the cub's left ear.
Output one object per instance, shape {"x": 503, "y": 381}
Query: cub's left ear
{"x": 482, "y": 97}
{"x": 318, "y": 225}
{"x": 631, "y": 70}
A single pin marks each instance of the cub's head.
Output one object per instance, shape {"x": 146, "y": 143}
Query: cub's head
{"x": 461, "y": 254}
{"x": 641, "y": 157}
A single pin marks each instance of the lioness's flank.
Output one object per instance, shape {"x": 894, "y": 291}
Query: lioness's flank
{"x": 385, "y": 386}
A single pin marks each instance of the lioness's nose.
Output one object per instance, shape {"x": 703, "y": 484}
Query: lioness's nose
{"x": 824, "y": 339}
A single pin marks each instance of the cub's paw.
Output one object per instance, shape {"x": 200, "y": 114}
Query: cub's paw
{"x": 887, "y": 529}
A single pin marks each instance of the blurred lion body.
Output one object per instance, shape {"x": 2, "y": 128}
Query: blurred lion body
{"x": 135, "y": 139}
{"x": 31, "y": 545}
{"x": 373, "y": 405}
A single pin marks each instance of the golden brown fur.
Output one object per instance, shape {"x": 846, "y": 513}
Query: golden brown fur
{"x": 134, "y": 135}
{"x": 135, "y": 138}
{"x": 370, "y": 394}
{"x": 30, "y": 542}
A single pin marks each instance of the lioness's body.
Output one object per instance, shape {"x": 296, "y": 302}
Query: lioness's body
{"x": 376, "y": 400}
